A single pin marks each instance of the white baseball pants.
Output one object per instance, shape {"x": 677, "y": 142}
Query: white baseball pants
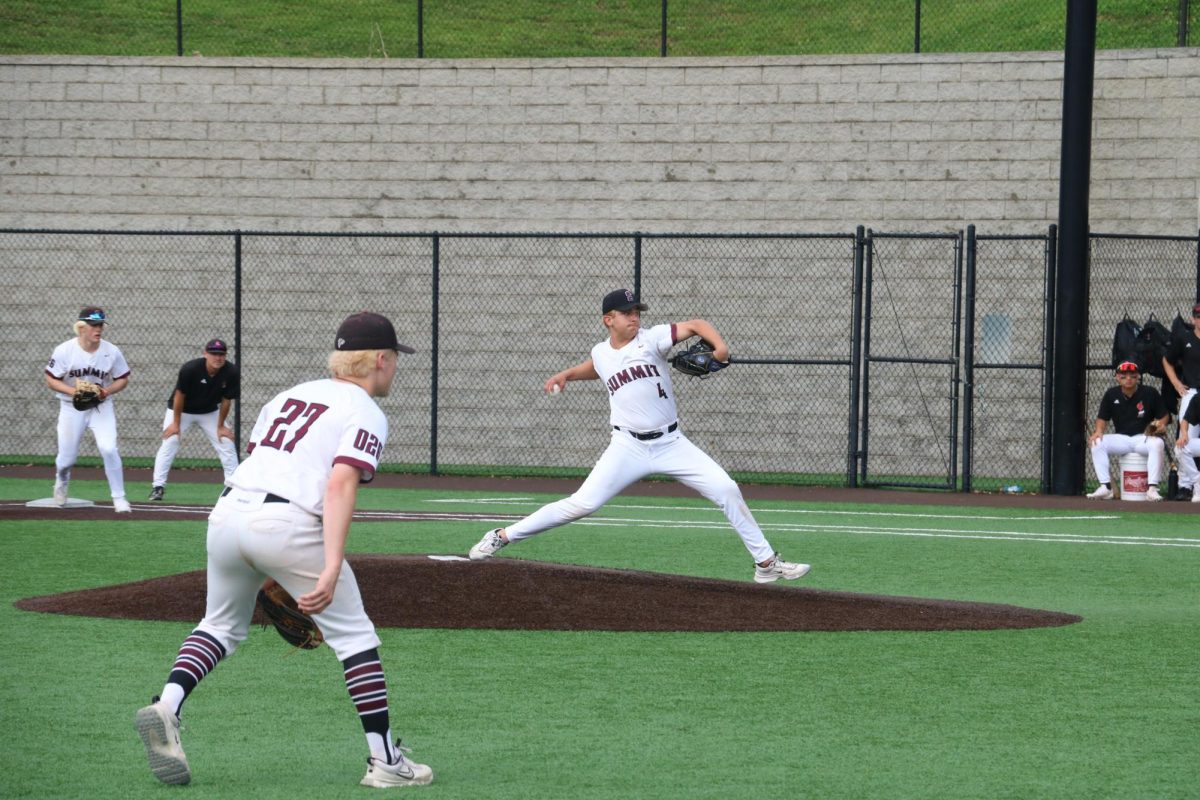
{"x": 250, "y": 539}
{"x": 627, "y": 460}
{"x": 1189, "y": 475}
{"x": 102, "y": 420}
{"x": 226, "y": 449}
{"x": 1115, "y": 444}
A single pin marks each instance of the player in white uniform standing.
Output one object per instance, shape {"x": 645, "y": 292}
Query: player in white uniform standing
{"x": 645, "y": 438}
{"x": 90, "y": 357}
{"x": 285, "y": 513}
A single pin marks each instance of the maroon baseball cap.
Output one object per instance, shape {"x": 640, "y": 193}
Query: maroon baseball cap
{"x": 368, "y": 331}
{"x": 621, "y": 300}
{"x": 217, "y": 346}
{"x": 1196, "y": 310}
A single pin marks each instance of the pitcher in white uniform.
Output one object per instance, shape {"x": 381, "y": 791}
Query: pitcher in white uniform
{"x": 285, "y": 513}
{"x": 646, "y": 438}
{"x": 90, "y": 357}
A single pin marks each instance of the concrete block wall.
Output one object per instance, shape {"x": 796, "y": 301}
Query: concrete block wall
{"x": 812, "y": 144}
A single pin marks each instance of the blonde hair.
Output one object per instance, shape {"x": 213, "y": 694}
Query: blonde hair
{"x": 79, "y": 326}
{"x": 352, "y": 363}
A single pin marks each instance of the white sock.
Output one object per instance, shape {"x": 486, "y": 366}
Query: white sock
{"x": 172, "y": 696}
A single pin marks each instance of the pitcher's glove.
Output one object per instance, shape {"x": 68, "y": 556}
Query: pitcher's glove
{"x": 697, "y": 361}
{"x": 87, "y": 395}
{"x": 297, "y": 628}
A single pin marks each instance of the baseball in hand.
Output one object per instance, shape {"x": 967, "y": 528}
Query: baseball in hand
{"x": 555, "y": 389}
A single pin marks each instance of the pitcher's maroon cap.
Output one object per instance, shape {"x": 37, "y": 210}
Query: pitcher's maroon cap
{"x": 368, "y": 331}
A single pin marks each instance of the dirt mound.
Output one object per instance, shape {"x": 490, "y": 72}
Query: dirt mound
{"x": 419, "y": 591}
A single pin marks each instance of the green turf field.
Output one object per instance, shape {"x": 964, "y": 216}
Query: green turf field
{"x": 1106, "y": 708}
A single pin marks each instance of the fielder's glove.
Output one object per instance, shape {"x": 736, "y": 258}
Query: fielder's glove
{"x": 297, "y": 628}
{"x": 87, "y": 395}
{"x": 697, "y": 361}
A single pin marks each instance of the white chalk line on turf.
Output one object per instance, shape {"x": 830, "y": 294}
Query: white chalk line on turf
{"x": 510, "y": 501}
{"x": 937, "y": 533}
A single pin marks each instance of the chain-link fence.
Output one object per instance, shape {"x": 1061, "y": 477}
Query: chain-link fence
{"x": 547, "y": 28}
{"x": 883, "y": 359}
{"x": 1006, "y": 368}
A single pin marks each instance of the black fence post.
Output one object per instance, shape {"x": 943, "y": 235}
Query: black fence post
{"x": 178, "y": 27}
{"x": 856, "y": 337}
{"x": 637, "y": 265}
{"x": 1048, "y": 297}
{"x": 420, "y": 28}
{"x": 237, "y": 332}
{"x": 433, "y": 356}
{"x": 968, "y": 361}
{"x": 917, "y": 28}
{"x": 662, "y": 49}
{"x": 1183, "y": 23}
{"x": 956, "y": 362}
{"x": 864, "y": 435}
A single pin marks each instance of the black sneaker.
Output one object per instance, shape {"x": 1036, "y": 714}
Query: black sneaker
{"x": 1183, "y": 495}
{"x": 156, "y": 493}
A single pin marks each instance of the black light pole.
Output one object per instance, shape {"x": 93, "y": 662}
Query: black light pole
{"x": 1068, "y": 426}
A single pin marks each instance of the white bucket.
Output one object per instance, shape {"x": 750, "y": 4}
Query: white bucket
{"x": 1135, "y": 478}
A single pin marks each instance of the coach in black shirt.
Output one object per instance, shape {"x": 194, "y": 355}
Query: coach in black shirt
{"x": 203, "y": 395}
{"x": 1137, "y": 415}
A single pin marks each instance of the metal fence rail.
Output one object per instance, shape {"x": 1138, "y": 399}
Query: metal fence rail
{"x": 860, "y": 358}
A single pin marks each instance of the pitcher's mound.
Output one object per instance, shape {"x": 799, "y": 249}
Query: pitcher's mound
{"x": 505, "y": 593}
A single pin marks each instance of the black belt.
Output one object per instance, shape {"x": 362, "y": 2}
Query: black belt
{"x": 674, "y": 426}
{"x": 270, "y": 498}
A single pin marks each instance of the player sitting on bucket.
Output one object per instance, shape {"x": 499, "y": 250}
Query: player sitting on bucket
{"x": 1137, "y": 415}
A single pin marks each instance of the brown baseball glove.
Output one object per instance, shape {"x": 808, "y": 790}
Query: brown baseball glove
{"x": 297, "y": 628}
{"x": 87, "y": 395}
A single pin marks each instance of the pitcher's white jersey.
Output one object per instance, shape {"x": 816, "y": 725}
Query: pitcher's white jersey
{"x": 638, "y": 378}
{"x": 303, "y": 432}
{"x": 69, "y": 362}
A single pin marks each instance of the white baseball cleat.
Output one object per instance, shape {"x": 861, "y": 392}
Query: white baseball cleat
{"x": 121, "y": 505}
{"x": 403, "y": 772}
{"x": 60, "y": 494}
{"x": 1102, "y": 493}
{"x": 159, "y": 729}
{"x": 1152, "y": 494}
{"x": 778, "y": 568}
{"x": 488, "y": 545}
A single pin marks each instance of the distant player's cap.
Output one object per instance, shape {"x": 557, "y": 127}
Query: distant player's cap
{"x": 622, "y": 300}
{"x": 93, "y": 315}
{"x": 1196, "y": 310}
{"x": 1126, "y": 367}
{"x": 367, "y": 331}
{"x": 217, "y": 346}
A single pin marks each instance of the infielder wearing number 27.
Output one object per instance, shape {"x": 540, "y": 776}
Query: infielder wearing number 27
{"x": 285, "y": 513}
{"x": 645, "y": 437}
{"x": 88, "y": 357}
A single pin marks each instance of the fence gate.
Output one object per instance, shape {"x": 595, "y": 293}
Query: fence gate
{"x": 911, "y": 360}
